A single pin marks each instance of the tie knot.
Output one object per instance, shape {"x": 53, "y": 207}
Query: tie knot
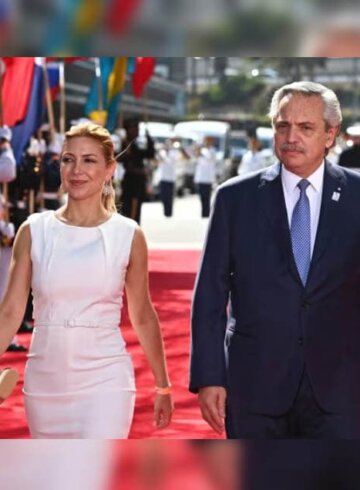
{"x": 303, "y": 185}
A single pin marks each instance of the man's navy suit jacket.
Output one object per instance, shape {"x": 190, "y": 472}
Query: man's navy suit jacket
{"x": 254, "y": 325}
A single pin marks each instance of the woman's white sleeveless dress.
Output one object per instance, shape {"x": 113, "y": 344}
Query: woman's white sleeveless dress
{"x": 79, "y": 378}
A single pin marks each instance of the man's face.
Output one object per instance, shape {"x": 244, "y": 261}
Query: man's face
{"x": 300, "y": 134}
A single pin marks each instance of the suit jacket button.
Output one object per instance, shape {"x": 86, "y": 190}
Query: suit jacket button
{"x": 300, "y": 341}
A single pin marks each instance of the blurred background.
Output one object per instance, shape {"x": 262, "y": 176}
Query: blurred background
{"x": 163, "y": 28}
{"x": 174, "y": 465}
{"x": 177, "y": 102}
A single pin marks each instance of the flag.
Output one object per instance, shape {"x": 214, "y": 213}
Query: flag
{"x": 92, "y": 107}
{"x": 131, "y": 64}
{"x": 116, "y": 85}
{"x": 53, "y": 70}
{"x": 58, "y": 31}
{"x": 86, "y": 16}
{"x": 119, "y": 14}
{"x": 143, "y": 72}
{"x": 16, "y": 87}
{"x": 6, "y": 15}
{"x": 71, "y": 25}
{"x": 22, "y": 131}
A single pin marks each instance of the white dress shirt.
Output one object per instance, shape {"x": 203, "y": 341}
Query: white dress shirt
{"x": 313, "y": 192}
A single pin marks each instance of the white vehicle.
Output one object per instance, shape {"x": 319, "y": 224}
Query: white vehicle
{"x": 159, "y": 131}
{"x": 266, "y": 136}
{"x": 218, "y": 130}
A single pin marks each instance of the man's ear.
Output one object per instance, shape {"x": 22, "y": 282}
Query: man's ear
{"x": 332, "y": 133}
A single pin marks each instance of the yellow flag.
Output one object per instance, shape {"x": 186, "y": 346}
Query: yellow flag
{"x": 117, "y": 77}
{"x": 98, "y": 117}
{"x": 88, "y": 15}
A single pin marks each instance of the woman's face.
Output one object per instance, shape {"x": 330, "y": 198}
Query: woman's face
{"x": 83, "y": 168}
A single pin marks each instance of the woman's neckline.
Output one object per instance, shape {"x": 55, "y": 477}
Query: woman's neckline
{"x": 80, "y": 226}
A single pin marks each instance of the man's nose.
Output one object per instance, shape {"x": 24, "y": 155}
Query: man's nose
{"x": 292, "y": 134}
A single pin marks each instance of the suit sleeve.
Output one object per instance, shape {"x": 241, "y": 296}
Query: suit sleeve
{"x": 209, "y": 308}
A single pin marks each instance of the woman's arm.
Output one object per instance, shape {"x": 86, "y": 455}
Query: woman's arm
{"x": 141, "y": 311}
{"x": 146, "y": 324}
{"x": 13, "y": 306}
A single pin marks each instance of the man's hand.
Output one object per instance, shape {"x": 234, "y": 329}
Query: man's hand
{"x": 212, "y": 405}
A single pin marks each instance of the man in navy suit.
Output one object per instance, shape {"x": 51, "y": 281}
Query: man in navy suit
{"x": 276, "y": 309}
{"x": 299, "y": 465}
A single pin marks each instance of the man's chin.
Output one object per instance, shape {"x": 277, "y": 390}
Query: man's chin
{"x": 294, "y": 165}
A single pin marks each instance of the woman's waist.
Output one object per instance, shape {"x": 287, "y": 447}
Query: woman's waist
{"x": 76, "y": 323}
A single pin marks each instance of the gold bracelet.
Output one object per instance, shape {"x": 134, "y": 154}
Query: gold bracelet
{"x": 163, "y": 391}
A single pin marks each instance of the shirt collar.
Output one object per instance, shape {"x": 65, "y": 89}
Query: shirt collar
{"x": 291, "y": 180}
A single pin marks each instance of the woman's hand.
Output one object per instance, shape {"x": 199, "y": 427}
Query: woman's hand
{"x": 163, "y": 409}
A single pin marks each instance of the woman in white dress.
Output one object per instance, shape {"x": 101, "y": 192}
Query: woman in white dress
{"x": 79, "y": 378}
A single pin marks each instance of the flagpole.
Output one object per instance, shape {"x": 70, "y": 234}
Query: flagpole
{"x": 62, "y": 97}
{"x": 145, "y": 106}
{"x": 121, "y": 116}
{"x": 99, "y": 84}
{"x": 50, "y": 111}
{"x": 5, "y": 188}
{"x": 49, "y": 106}
{"x": 1, "y": 86}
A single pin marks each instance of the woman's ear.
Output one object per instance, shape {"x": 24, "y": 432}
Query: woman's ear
{"x": 110, "y": 170}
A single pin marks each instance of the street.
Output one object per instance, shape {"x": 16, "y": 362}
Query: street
{"x": 184, "y": 230}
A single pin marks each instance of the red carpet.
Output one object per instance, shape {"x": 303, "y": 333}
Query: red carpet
{"x": 172, "y": 276}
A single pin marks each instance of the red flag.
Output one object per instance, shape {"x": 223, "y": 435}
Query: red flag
{"x": 119, "y": 14}
{"x": 16, "y": 86}
{"x": 143, "y": 72}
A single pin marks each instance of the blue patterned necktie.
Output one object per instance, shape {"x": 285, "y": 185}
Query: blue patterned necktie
{"x": 300, "y": 232}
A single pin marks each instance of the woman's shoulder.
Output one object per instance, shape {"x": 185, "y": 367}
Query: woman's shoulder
{"x": 120, "y": 220}
{"x": 39, "y": 217}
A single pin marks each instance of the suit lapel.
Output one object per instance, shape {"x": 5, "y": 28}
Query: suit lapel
{"x": 274, "y": 207}
{"x": 331, "y": 206}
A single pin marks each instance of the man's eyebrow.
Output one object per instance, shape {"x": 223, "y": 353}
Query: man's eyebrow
{"x": 284, "y": 121}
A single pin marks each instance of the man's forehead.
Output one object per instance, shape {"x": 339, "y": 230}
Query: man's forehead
{"x": 306, "y": 106}
{"x": 298, "y": 96}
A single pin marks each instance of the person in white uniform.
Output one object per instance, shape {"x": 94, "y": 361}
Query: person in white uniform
{"x": 205, "y": 174}
{"x": 79, "y": 378}
{"x": 171, "y": 162}
{"x": 254, "y": 159}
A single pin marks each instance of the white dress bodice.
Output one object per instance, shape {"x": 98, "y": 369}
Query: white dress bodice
{"x": 79, "y": 272}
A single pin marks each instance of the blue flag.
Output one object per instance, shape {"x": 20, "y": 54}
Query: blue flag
{"x": 22, "y": 132}
{"x": 92, "y": 103}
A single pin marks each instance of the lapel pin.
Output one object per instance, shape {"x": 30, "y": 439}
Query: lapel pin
{"x": 335, "y": 196}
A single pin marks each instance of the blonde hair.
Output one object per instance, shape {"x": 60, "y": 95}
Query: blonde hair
{"x": 102, "y": 135}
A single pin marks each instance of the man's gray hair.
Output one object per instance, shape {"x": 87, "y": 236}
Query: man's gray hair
{"x": 332, "y": 111}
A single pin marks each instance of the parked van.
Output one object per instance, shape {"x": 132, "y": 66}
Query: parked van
{"x": 266, "y": 136}
{"x": 218, "y": 130}
{"x": 159, "y": 131}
